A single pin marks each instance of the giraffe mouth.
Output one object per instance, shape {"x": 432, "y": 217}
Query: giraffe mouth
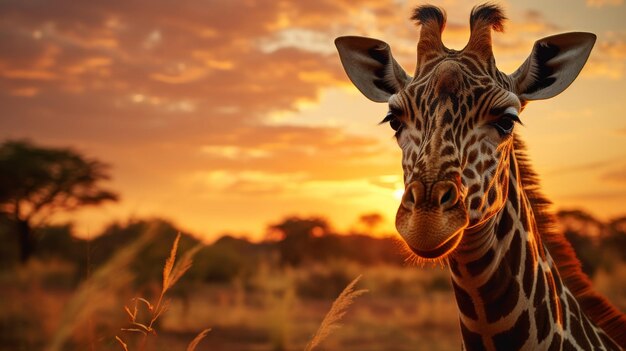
{"x": 442, "y": 250}
{"x": 432, "y": 234}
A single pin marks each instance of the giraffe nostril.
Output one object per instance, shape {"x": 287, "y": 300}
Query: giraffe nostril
{"x": 408, "y": 200}
{"x": 413, "y": 194}
{"x": 446, "y": 194}
{"x": 446, "y": 197}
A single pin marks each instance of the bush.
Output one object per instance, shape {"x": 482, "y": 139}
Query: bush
{"x": 323, "y": 282}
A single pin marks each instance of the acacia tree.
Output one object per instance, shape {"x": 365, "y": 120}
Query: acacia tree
{"x": 37, "y": 182}
{"x": 371, "y": 221}
{"x": 296, "y": 236}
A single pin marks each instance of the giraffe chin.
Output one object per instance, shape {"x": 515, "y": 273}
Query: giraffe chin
{"x": 447, "y": 247}
{"x": 432, "y": 234}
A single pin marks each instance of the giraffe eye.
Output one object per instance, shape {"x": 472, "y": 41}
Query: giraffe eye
{"x": 395, "y": 124}
{"x": 394, "y": 121}
{"x": 505, "y": 124}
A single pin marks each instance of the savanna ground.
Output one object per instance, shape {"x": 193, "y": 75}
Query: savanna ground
{"x": 266, "y": 296}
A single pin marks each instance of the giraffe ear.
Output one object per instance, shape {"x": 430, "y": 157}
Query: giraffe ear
{"x": 371, "y": 67}
{"x": 553, "y": 65}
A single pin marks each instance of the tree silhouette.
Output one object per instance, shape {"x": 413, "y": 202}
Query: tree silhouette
{"x": 616, "y": 237}
{"x": 299, "y": 227}
{"x": 581, "y": 222}
{"x": 37, "y": 182}
{"x": 296, "y": 236}
{"x": 371, "y": 221}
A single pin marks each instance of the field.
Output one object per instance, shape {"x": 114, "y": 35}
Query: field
{"x": 275, "y": 308}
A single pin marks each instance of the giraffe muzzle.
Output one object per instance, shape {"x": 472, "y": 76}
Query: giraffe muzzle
{"x": 431, "y": 218}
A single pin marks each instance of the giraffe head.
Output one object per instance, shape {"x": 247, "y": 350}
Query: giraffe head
{"x": 454, "y": 119}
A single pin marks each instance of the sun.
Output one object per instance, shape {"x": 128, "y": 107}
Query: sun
{"x": 398, "y": 193}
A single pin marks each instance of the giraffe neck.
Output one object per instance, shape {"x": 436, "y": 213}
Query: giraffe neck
{"x": 508, "y": 290}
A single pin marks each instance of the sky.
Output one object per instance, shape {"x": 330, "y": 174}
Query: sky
{"x": 227, "y": 115}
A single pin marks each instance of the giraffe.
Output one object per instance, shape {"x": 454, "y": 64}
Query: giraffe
{"x": 471, "y": 197}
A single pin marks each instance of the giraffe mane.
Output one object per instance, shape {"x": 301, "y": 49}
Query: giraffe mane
{"x": 596, "y": 307}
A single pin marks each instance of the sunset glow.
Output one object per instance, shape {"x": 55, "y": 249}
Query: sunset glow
{"x": 229, "y": 115}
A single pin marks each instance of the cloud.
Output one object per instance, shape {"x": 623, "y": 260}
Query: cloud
{"x": 163, "y": 51}
{"x": 582, "y": 167}
{"x": 234, "y": 152}
{"x": 603, "y": 3}
{"x": 242, "y": 183}
{"x": 117, "y": 75}
{"x": 183, "y": 95}
{"x": 321, "y": 153}
{"x": 609, "y": 58}
{"x": 615, "y": 174}
{"x": 596, "y": 196}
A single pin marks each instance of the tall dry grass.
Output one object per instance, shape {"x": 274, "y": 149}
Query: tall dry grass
{"x": 172, "y": 271}
{"x": 94, "y": 295}
{"x": 337, "y": 311}
{"x": 102, "y": 289}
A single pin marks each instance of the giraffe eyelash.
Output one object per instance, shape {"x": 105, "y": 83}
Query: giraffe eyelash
{"x": 394, "y": 122}
{"x": 504, "y": 125}
{"x": 388, "y": 117}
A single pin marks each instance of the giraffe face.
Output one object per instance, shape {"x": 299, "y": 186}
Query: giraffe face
{"x": 454, "y": 120}
{"x": 455, "y": 131}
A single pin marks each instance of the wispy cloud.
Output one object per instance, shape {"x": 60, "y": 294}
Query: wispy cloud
{"x": 596, "y": 196}
{"x": 616, "y": 174}
{"x": 582, "y": 167}
{"x": 603, "y": 3}
{"x": 175, "y": 92}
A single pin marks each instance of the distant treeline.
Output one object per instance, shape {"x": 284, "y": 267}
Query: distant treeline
{"x": 292, "y": 242}
{"x": 295, "y": 241}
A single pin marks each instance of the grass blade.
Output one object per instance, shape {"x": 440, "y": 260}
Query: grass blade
{"x": 336, "y": 313}
{"x": 124, "y": 346}
{"x": 90, "y": 297}
{"x": 169, "y": 265}
{"x": 194, "y": 343}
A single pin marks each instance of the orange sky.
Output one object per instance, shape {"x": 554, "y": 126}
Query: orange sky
{"x": 228, "y": 115}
